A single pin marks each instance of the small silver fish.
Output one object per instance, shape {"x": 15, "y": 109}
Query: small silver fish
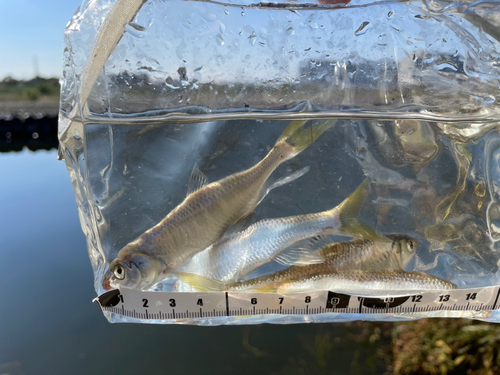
{"x": 237, "y": 254}
{"x": 366, "y": 254}
{"x": 204, "y": 216}
{"x": 360, "y": 283}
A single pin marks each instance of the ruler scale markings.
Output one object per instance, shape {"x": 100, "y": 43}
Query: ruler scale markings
{"x": 293, "y": 304}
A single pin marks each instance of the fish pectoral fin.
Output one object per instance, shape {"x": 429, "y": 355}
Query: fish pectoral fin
{"x": 189, "y": 267}
{"x": 394, "y": 263}
{"x": 349, "y": 212}
{"x": 319, "y": 244}
{"x": 203, "y": 284}
{"x": 282, "y": 181}
{"x": 197, "y": 180}
{"x": 240, "y": 225}
{"x": 299, "y": 256}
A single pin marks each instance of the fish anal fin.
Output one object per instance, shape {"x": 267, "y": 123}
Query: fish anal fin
{"x": 266, "y": 288}
{"x": 203, "y": 284}
{"x": 197, "y": 180}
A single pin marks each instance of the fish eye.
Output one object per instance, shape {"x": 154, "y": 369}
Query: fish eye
{"x": 119, "y": 272}
{"x": 410, "y": 244}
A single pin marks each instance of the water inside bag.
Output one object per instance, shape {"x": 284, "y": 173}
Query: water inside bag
{"x": 417, "y": 117}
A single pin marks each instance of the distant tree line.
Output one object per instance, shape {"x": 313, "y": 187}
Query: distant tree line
{"x": 37, "y": 88}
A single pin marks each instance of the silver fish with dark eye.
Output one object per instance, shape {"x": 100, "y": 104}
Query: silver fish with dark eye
{"x": 360, "y": 283}
{"x": 205, "y": 215}
{"x": 371, "y": 255}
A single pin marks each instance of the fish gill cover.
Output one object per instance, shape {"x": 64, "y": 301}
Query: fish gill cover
{"x": 285, "y": 146}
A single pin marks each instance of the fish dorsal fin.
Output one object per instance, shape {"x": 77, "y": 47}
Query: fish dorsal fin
{"x": 197, "y": 180}
{"x": 301, "y": 254}
{"x": 283, "y": 180}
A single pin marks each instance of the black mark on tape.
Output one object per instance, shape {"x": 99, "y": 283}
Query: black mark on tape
{"x": 109, "y": 299}
{"x": 337, "y": 301}
{"x": 383, "y": 303}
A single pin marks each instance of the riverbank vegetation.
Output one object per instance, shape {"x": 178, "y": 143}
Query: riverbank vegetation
{"x": 46, "y": 89}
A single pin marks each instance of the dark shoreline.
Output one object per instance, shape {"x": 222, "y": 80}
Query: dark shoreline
{"x": 28, "y": 124}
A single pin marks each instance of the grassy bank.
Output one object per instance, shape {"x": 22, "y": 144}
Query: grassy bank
{"x": 46, "y": 89}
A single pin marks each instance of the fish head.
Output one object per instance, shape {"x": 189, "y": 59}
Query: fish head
{"x": 133, "y": 271}
{"x": 403, "y": 249}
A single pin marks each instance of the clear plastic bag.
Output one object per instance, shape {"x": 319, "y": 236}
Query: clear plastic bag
{"x": 396, "y": 101}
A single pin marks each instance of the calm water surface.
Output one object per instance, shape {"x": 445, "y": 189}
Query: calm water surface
{"x": 48, "y": 324}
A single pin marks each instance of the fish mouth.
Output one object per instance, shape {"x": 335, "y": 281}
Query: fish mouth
{"x": 106, "y": 284}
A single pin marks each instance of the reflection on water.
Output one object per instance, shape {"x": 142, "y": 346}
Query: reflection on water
{"x": 48, "y": 324}
{"x": 33, "y": 133}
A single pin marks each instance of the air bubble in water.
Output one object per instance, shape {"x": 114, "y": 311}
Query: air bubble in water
{"x": 136, "y": 30}
{"x": 290, "y": 30}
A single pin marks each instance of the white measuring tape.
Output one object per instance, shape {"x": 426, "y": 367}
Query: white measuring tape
{"x": 177, "y": 306}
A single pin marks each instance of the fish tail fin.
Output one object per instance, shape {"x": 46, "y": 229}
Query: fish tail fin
{"x": 201, "y": 283}
{"x": 350, "y": 224}
{"x": 299, "y": 137}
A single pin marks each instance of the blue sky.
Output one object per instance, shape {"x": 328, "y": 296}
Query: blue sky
{"x": 31, "y": 28}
